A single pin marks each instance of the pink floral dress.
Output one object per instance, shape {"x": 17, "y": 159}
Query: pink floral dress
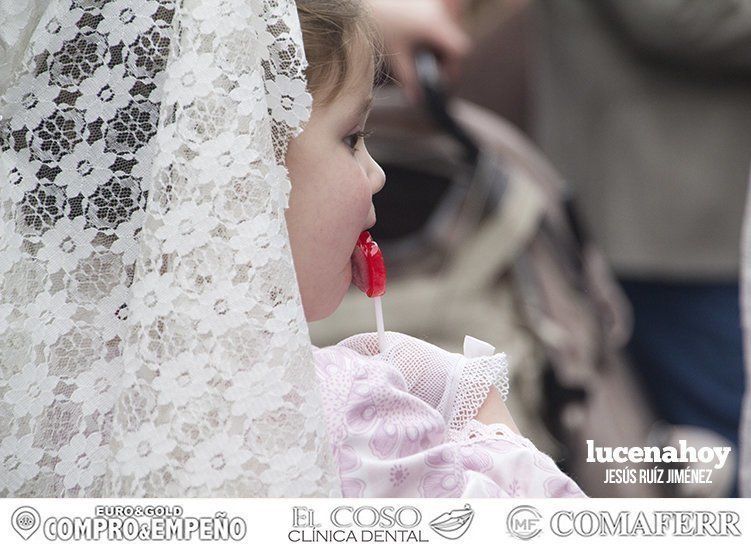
{"x": 389, "y": 443}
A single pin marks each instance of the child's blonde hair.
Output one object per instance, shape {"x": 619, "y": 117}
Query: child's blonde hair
{"x": 332, "y": 29}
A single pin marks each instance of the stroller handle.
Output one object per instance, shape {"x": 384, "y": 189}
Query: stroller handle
{"x": 434, "y": 90}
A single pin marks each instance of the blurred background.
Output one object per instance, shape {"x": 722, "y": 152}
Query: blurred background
{"x": 566, "y": 180}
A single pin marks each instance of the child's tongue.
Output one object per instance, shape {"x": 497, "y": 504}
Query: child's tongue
{"x": 368, "y": 268}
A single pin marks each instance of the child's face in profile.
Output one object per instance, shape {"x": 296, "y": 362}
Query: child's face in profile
{"x": 333, "y": 180}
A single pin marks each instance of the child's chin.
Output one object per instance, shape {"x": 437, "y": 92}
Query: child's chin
{"x": 326, "y": 307}
{"x": 320, "y": 313}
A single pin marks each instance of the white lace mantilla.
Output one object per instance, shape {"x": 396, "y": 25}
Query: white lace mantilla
{"x": 151, "y": 332}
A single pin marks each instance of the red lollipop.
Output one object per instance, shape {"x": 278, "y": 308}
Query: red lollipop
{"x": 368, "y": 268}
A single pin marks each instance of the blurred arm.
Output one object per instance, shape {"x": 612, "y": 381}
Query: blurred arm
{"x": 711, "y": 35}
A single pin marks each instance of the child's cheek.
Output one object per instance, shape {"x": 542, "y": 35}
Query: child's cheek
{"x": 352, "y": 196}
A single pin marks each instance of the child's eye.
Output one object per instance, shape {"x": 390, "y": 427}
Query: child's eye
{"x": 353, "y": 139}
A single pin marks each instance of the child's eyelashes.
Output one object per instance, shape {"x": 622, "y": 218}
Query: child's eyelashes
{"x": 353, "y": 139}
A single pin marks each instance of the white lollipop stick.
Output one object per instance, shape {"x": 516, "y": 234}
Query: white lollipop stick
{"x": 379, "y": 324}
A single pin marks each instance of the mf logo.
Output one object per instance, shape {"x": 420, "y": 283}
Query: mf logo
{"x": 524, "y": 522}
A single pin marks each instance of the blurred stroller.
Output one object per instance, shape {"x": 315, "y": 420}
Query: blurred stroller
{"x": 480, "y": 237}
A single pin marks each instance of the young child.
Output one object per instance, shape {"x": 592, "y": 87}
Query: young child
{"x": 409, "y": 422}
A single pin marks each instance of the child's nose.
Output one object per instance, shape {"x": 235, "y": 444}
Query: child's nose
{"x": 376, "y": 175}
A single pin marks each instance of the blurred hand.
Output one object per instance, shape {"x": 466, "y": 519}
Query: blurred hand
{"x": 494, "y": 410}
{"x": 407, "y": 25}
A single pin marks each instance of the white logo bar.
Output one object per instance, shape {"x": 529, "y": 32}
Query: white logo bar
{"x": 284, "y": 521}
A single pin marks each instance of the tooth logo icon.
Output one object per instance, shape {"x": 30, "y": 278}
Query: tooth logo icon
{"x": 25, "y": 521}
{"x": 453, "y": 524}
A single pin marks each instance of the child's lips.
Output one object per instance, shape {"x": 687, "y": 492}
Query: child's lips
{"x": 371, "y": 222}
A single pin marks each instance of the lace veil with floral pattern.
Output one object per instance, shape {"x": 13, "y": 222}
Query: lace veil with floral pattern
{"x": 152, "y": 339}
